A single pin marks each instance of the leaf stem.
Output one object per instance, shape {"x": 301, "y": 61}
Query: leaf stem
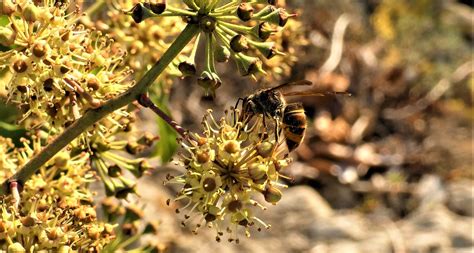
{"x": 94, "y": 115}
{"x": 145, "y": 101}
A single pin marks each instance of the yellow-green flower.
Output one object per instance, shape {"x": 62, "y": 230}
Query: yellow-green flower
{"x": 242, "y": 159}
{"x": 59, "y": 69}
{"x": 229, "y": 29}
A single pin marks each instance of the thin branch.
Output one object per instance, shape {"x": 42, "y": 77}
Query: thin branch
{"x": 145, "y": 101}
{"x": 94, "y": 115}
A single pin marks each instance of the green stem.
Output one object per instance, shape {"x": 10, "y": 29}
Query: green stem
{"x": 94, "y": 115}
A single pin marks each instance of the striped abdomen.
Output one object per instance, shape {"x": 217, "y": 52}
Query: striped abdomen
{"x": 294, "y": 125}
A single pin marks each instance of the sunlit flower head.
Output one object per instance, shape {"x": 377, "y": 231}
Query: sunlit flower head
{"x": 59, "y": 69}
{"x": 229, "y": 30}
{"x": 54, "y": 211}
{"x": 227, "y": 167}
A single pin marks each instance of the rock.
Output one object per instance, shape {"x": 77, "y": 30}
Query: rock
{"x": 306, "y": 201}
{"x": 430, "y": 190}
{"x": 461, "y": 197}
{"x": 437, "y": 229}
{"x": 303, "y": 221}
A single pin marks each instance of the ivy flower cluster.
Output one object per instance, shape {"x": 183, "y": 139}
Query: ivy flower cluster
{"x": 54, "y": 212}
{"x": 229, "y": 29}
{"x": 59, "y": 69}
{"x": 145, "y": 42}
{"x": 231, "y": 163}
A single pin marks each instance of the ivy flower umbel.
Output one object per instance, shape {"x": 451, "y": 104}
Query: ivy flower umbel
{"x": 226, "y": 167}
{"x": 229, "y": 29}
{"x": 54, "y": 212}
{"x": 59, "y": 69}
{"x": 145, "y": 42}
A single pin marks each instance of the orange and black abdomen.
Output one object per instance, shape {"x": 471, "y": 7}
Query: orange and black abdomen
{"x": 294, "y": 125}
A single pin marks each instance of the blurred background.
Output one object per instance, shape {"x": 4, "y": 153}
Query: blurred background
{"x": 387, "y": 169}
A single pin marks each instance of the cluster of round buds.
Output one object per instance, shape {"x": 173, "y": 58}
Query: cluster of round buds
{"x": 54, "y": 212}
{"x": 59, "y": 69}
{"x": 229, "y": 29}
{"x": 145, "y": 42}
{"x": 131, "y": 227}
{"x": 233, "y": 162}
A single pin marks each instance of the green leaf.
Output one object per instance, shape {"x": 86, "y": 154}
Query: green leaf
{"x": 4, "y": 20}
{"x": 13, "y": 132}
{"x": 8, "y": 115}
{"x": 166, "y": 145}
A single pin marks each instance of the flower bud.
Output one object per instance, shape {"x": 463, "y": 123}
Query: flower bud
{"x": 203, "y": 157}
{"x": 114, "y": 171}
{"x": 3, "y": 227}
{"x": 266, "y": 48}
{"x": 271, "y": 194}
{"x": 265, "y": 149}
{"x": 240, "y": 218}
{"x": 130, "y": 229}
{"x": 232, "y": 146}
{"x": 209, "y": 184}
{"x": 7, "y": 36}
{"x": 22, "y": 88}
{"x": 28, "y": 221}
{"x": 15, "y": 248}
{"x": 40, "y": 48}
{"x": 54, "y": 233}
{"x": 264, "y": 31}
{"x": 61, "y": 159}
{"x": 187, "y": 68}
{"x": 249, "y": 65}
{"x": 20, "y": 66}
{"x": 143, "y": 166}
{"x": 140, "y": 13}
{"x": 147, "y": 139}
{"x": 123, "y": 192}
{"x": 212, "y": 213}
{"x": 133, "y": 213}
{"x": 94, "y": 232}
{"x": 245, "y": 11}
{"x": 257, "y": 171}
{"x": 210, "y": 82}
{"x": 151, "y": 228}
{"x": 221, "y": 53}
{"x": 235, "y": 205}
{"x": 133, "y": 148}
{"x": 239, "y": 43}
{"x": 279, "y": 17}
{"x": 156, "y": 8}
{"x": 48, "y": 84}
{"x": 92, "y": 82}
{"x": 265, "y": 11}
{"x": 31, "y": 13}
